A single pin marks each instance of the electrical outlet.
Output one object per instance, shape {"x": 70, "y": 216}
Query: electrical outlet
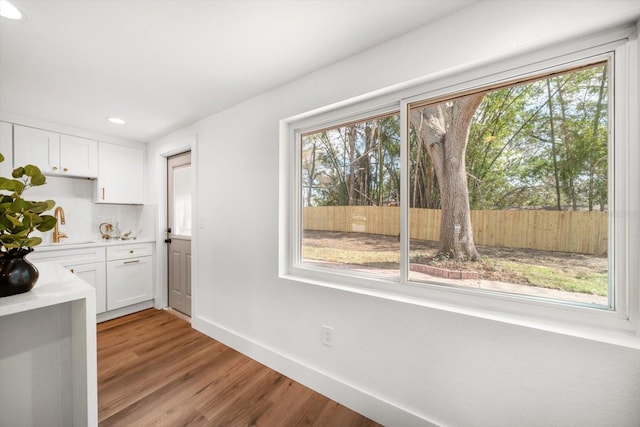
{"x": 326, "y": 335}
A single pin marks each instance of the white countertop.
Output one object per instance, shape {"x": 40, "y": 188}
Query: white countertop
{"x": 70, "y": 244}
{"x": 55, "y": 285}
{"x": 50, "y": 335}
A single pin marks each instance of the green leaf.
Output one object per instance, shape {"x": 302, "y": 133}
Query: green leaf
{"x": 32, "y": 170}
{"x": 1, "y": 158}
{"x": 22, "y": 232}
{"x": 10, "y": 184}
{"x": 19, "y": 205}
{"x": 38, "y": 180}
{"x": 39, "y": 207}
{"x": 19, "y": 187}
{"x": 8, "y": 238}
{"x": 31, "y": 241}
{"x": 27, "y": 220}
{"x": 15, "y": 222}
{"x": 48, "y": 223}
{"x": 18, "y": 172}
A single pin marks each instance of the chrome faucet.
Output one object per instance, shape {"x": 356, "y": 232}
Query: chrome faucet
{"x": 58, "y": 213}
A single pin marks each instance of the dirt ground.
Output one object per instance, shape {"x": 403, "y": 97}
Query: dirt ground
{"x": 486, "y": 270}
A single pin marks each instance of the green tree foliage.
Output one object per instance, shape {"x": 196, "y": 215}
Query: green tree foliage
{"x": 538, "y": 144}
{"x": 353, "y": 165}
{"x": 523, "y": 137}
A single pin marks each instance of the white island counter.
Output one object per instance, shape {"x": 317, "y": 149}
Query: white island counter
{"x": 48, "y": 365}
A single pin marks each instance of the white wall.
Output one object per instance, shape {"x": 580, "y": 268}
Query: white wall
{"x": 396, "y": 362}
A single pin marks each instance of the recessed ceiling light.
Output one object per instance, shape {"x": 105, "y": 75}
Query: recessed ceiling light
{"x": 7, "y": 10}
{"x": 116, "y": 120}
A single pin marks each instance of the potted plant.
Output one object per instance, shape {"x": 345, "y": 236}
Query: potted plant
{"x": 18, "y": 219}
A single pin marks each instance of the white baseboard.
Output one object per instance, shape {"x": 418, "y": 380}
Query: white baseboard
{"x": 119, "y": 312}
{"x": 379, "y": 410}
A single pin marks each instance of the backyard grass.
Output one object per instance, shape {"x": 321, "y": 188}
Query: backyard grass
{"x": 365, "y": 257}
{"x": 566, "y": 280}
{"x": 553, "y": 270}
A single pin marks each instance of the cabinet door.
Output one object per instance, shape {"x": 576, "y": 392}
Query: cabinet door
{"x": 120, "y": 174}
{"x": 78, "y": 156}
{"x": 95, "y": 275}
{"x": 129, "y": 281}
{"x": 36, "y": 147}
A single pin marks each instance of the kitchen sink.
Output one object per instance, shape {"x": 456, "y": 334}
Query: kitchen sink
{"x": 71, "y": 242}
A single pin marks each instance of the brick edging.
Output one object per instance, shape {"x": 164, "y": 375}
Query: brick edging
{"x": 443, "y": 272}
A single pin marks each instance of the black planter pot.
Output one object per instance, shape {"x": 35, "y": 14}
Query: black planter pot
{"x": 17, "y": 275}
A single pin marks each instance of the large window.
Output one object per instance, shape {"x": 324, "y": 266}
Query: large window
{"x": 350, "y": 190}
{"x": 509, "y": 189}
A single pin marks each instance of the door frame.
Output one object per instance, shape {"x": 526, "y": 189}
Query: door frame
{"x": 158, "y": 175}
{"x": 171, "y": 236}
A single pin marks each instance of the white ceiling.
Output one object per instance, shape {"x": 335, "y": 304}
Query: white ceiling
{"x": 161, "y": 65}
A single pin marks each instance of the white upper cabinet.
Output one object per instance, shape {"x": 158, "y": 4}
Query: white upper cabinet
{"x": 78, "y": 156}
{"x": 36, "y": 147}
{"x": 121, "y": 174}
{"x": 55, "y": 154}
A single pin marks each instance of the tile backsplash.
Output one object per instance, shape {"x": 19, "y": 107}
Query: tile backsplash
{"x": 83, "y": 217}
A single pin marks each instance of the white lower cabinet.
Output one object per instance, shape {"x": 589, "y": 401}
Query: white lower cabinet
{"x": 95, "y": 275}
{"x": 130, "y": 281}
{"x": 122, "y": 273}
{"x": 88, "y": 263}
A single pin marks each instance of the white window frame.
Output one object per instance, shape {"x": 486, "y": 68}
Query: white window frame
{"x": 618, "y": 325}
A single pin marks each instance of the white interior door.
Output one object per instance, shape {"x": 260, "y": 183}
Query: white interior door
{"x": 179, "y": 231}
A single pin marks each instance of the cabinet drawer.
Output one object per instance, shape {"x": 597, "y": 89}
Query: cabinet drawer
{"x": 67, "y": 257}
{"x": 133, "y": 250}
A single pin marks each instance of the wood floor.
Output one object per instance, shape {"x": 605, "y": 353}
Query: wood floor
{"x": 155, "y": 370}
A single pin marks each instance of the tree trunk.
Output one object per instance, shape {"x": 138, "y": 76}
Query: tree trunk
{"x": 311, "y": 172}
{"x": 351, "y": 149}
{"x": 554, "y": 152}
{"x": 570, "y": 166}
{"x": 416, "y": 175}
{"x": 596, "y": 125}
{"x": 444, "y": 127}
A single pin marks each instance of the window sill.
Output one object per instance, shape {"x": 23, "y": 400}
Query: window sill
{"x": 541, "y": 315}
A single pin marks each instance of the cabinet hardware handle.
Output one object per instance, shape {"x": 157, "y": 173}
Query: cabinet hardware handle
{"x": 131, "y": 251}
{"x": 66, "y": 169}
{"x": 102, "y": 193}
{"x": 132, "y": 262}
{"x": 72, "y": 270}
{"x": 55, "y": 168}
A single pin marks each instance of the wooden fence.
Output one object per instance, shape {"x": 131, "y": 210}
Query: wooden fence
{"x": 564, "y": 231}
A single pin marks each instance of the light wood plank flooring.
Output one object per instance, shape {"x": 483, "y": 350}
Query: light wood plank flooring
{"x": 155, "y": 370}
